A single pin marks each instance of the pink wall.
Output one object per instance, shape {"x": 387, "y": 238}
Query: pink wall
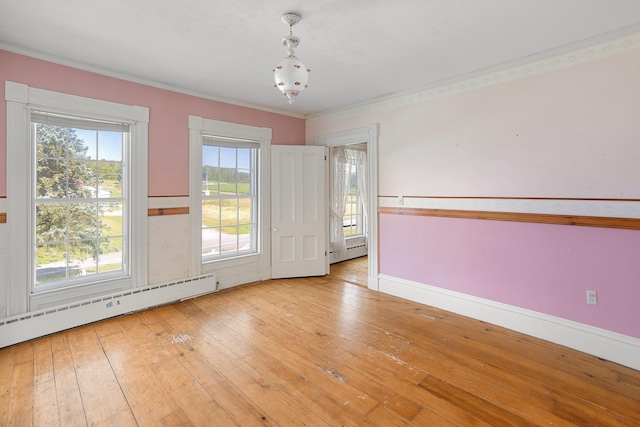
{"x": 168, "y": 124}
{"x": 540, "y": 267}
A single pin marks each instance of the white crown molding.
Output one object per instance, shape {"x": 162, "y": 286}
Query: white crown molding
{"x": 608, "y": 345}
{"x": 587, "y": 50}
{"x": 135, "y": 79}
{"x": 599, "y": 208}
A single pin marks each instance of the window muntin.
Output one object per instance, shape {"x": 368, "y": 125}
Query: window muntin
{"x": 79, "y": 208}
{"x": 229, "y": 198}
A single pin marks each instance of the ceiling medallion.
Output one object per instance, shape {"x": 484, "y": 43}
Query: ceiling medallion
{"x": 290, "y": 74}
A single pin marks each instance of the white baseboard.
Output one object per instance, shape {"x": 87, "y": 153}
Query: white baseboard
{"x": 601, "y": 343}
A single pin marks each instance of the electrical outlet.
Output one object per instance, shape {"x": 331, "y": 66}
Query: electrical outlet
{"x": 592, "y": 297}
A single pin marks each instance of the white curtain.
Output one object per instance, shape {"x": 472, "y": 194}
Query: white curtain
{"x": 360, "y": 159}
{"x": 340, "y": 190}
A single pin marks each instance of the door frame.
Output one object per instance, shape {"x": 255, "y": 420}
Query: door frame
{"x": 368, "y": 134}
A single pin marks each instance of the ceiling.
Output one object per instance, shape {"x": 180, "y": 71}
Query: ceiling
{"x": 357, "y": 50}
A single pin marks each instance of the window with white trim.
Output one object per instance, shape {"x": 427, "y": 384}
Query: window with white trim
{"x": 229, "y": 191}
{"x": 76, "y": 197}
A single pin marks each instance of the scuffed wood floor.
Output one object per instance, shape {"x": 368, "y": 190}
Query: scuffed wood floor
{"x": 307, "y": 352}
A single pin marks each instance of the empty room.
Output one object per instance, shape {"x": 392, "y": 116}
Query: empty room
{"x": 329, "y": 213}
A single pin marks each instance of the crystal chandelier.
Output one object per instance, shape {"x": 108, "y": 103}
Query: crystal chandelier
{"x": 290, "y": 74}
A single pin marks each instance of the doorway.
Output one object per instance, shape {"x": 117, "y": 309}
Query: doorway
{"x": 361, "y": 226}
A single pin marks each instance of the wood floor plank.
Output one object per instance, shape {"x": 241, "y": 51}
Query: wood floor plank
{"x": 20, "y": 410}
{"x": 69, "y": 402}
{"x": 474, "y": 404}
{"x": 45, "y": 404}
{"x": 7, "y": 356}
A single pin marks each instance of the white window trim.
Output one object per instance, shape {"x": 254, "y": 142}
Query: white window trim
{"x": 21, "y": 100}
{"x": 243, "y": 268}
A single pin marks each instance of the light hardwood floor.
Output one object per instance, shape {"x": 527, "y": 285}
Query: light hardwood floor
{"x": 307, "y": 352}
{"x": 354, "y": 271}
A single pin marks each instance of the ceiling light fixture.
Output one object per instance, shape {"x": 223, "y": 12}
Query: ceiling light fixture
{"x": 290, "y": 74}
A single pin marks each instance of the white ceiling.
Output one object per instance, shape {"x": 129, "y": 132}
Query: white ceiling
{"x": 357, "y": 50}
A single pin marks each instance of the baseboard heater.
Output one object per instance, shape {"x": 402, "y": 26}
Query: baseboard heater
{"x": 24, "y": 327}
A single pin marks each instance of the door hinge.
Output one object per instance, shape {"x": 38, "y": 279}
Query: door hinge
{"x": 326, "y": 253}
{"x": 325, "y": 157}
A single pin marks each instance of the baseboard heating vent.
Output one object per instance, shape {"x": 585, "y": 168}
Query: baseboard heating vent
{"x": 356, "y": 247}
{"x": 24, "y": 327}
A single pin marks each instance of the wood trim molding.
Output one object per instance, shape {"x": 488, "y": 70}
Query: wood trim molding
{"x": 168, "y": 211}
{"x": 3, "y": 218}
{"x": 581, "y": 220}
{"x": 572, "y": 199}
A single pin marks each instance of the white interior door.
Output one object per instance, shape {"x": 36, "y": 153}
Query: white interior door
{"x": 298, "y": 211}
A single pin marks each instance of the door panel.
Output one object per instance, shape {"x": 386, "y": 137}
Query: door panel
{"x": 298, "y": 203}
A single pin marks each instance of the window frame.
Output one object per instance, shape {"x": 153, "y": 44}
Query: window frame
{"x": 22, "y": 100}
{"x": 242, "y": 268}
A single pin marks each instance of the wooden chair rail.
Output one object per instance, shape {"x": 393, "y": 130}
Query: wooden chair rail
{"x": 168, "y": 211}
{"x": 582, "y": 220}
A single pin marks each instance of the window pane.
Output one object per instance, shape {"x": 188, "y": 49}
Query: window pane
{"x": 229, "y": 238}
{"x": 52, "y": 178}
{"x": 110, "y": 146}
{"x": 83, "y": 220}
{"x": 211, "y": 213}
{"x": 229, "y": 214}
{"x": 82, "y": 182}
{"x": 82, "y": 261}
{"x": 111, "y": 219}
{"x": 111, "y": 254}
{"x": 244, "y": 181}
{"x": 51, "y": 262}
{"x": 51, "y": 222}
{"x": 211, "y": 241}
{"x": 244, "y": 158}
{"x": 109, "y": 179}
{"x": 228, "y": 158}
{"x": 210, "y": 156}
{"x": 245, "y": 210}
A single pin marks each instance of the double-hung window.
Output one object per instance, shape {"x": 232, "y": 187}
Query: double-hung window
{"x": 229, "y": 197}
{"x": 79, "y": 209}
{"x": 76, "y": 193}
{"x": 229, "y": 200}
